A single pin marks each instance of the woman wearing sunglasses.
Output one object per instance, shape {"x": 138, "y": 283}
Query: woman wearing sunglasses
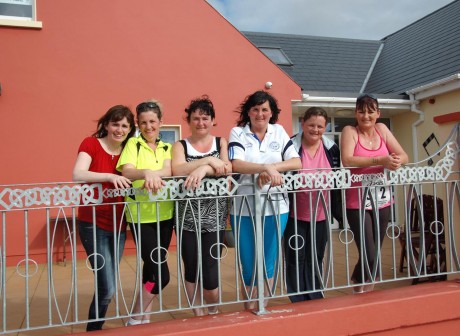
{"x": 146, "y": 160}
{"x": 369, "y": 147}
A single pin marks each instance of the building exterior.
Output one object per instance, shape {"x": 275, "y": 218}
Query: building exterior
{"x": 415, "y": 72}
{"x": 60, "y": 72}
{"x": 69, "y": 62}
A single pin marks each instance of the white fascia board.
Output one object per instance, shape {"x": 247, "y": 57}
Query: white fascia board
{"x": 350, "y": 102}
{"x": 438, "y": 87}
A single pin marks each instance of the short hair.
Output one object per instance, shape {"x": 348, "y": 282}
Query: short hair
{"x": 203, "y": 104}
{"x": 255, "y": 99}
{"x": 367, "y": 100}
{"x": 314, "y": 111}
{"x": 152, "y": 105}
{"x": 114, "y": 114}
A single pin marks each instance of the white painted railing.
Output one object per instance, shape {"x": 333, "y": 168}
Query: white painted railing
{"x": 39, "y": 225}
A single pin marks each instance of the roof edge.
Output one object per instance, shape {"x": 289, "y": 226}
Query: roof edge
{"x": 443, "y": 85}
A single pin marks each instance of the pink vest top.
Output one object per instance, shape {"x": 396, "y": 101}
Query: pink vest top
{"x": 304, "y": 209}
{"x": 372, "y": 177}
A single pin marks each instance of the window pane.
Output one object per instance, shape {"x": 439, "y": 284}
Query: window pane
{"x": 340, "y": 123}
{"x": 19, "y": 9}
{"x": 276, "y": 55}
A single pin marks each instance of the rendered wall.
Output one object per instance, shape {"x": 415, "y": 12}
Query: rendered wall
{"x": 90, "y": 55}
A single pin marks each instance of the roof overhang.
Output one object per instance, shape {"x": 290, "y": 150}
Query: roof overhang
{"x": 345, "y": 105}
{"x": 438, "y": 87}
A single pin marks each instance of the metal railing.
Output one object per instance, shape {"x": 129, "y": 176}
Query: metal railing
{"x": 421, "y": 242}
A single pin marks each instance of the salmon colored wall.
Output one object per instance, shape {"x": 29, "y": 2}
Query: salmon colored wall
{"x": 90, "y": 55}
{"x": 440, "y": 106}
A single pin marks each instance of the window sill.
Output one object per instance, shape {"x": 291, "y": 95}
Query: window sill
{"x": 21, "y": 23}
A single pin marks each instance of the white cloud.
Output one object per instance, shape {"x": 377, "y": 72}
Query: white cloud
{"x": 360, "y": 19}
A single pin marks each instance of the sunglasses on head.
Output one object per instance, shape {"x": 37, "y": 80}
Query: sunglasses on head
{"x": 146, "y": 106}
{"x": 364, "y": 95}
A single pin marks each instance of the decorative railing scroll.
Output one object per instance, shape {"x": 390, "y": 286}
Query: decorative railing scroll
{"x": 62, "y": 195}
{"x": 93, "y": 194}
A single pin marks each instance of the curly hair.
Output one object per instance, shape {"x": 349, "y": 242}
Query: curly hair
{"x": 255, "y": 99}
{"x": 203, "y": 104}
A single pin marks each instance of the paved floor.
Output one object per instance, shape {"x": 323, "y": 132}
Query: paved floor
{"x": 31, "y": 297}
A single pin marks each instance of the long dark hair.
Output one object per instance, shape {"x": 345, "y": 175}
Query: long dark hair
{"x": 258, "y": 98}
{"x": 114, "y": 114}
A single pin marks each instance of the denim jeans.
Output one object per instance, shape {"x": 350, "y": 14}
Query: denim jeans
{"x": 105, "y": 272}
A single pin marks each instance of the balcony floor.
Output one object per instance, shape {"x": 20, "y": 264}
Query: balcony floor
{"x": 38, "y": 287}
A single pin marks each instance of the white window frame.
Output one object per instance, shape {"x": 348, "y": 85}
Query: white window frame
{"x": 168, "y": 133}
{"x": 171, "y": 133}
{"x": 19, "y": 21}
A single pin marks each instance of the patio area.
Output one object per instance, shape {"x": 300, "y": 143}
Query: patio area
{"x": 39, "y": 285}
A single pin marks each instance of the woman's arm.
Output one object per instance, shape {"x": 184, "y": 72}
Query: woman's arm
{"x": 348, "y": 141}
{"x": 81, "y": 172}
{"x": 224, "y": 155}
{"x": 180, "y": 167}
{"x": 392, "y": 144}
{"x": 393, "y": 161}
{"x": 269, "y": 172}
{"x": 153, "y": 178}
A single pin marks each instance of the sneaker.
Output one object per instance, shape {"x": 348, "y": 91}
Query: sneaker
{"x": 132, "y": 321}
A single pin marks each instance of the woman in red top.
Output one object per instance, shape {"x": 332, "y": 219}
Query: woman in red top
{"x": 100, "y": 234}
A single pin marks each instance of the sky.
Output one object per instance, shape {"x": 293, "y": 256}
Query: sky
{"x": 356, "y": 19}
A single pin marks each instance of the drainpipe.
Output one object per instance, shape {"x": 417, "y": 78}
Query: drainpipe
{"x": 421, "y": 118}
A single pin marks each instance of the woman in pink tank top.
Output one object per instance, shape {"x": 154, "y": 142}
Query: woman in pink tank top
{"x": 369, "y": 148}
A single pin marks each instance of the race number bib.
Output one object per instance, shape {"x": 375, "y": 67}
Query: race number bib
{"x": 376, "y": 190}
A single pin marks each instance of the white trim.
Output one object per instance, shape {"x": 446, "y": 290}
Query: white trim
{"x": 371, "y": 69}
{"x": 440, "y": 86}
{"x": 350, "y": 102}
{"x": 21, "y": 23}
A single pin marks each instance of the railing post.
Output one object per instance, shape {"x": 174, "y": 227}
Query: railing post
{"x": 259, "y": 248}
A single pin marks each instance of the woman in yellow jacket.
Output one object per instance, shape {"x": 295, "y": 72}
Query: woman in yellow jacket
{"x": 146, "y": 160}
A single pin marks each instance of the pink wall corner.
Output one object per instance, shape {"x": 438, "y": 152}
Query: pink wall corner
{"x": 90, "y": 55}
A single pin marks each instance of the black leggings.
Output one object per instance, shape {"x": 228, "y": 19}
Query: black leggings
{"x": 209, "y": 255}
{"x": 371, "y": 236}
{"x": 301, "y": 265}
{"x": 155, "y": 269}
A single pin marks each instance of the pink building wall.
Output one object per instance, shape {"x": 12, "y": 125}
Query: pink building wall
{"x": 90, "y": 55}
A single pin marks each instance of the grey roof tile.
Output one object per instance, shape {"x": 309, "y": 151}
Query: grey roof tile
{"x": 425, "y": 51}
{"x": 322, "y": 63}
{"x": 422, "y": 52}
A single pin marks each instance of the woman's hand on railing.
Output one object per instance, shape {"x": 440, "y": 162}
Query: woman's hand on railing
{"x": 270, "y": 175}
{"x": 194, "y": 179}
{"x": 392, "y": 161}
{"x": 153, "y": 182}
{"x": 220, "y": 167}
{"x": 119, "y": 181}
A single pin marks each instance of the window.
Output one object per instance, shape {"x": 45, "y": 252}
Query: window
{"x": 170, "y": 133}
{"x": 277, "y": 55}
{"x": 20, "y": 13}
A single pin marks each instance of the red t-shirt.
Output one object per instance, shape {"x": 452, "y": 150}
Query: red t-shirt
{"x": 102, "y": 162}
